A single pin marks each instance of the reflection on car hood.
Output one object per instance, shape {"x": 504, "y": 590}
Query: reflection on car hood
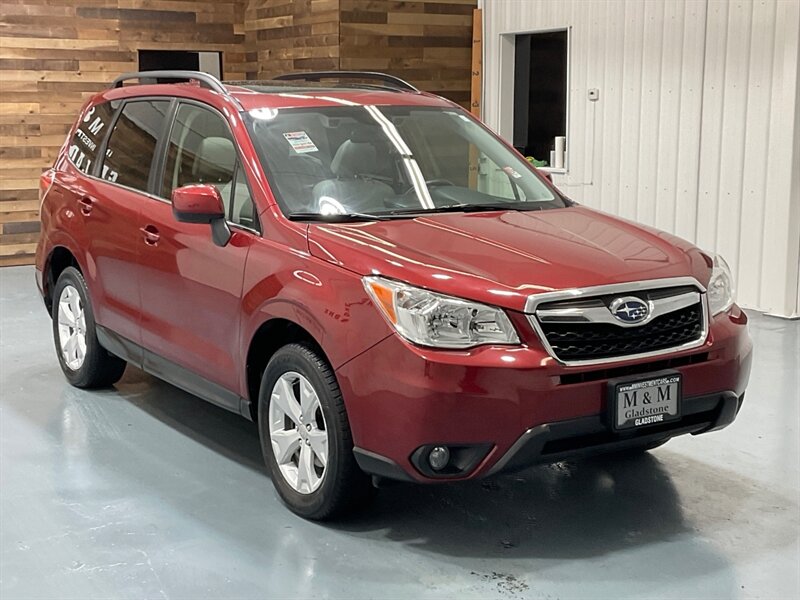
{"x": 503, "y": 257}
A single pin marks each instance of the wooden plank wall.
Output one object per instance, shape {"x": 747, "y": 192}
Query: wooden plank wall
{"x": 291, "y": 35}
{"x": 427, "y": 43}
{"x": 56, "y": 53}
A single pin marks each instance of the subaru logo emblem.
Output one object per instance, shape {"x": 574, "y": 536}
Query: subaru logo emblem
{"x": 630, "y": 310}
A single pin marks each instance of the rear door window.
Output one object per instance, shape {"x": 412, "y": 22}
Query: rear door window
{"x": 132, "y": 145}
{"x": 89, "y": 135}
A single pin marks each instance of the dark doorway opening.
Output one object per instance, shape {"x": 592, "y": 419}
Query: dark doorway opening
{"x": 181, "y": 60}
{"x": 540, "y": 92}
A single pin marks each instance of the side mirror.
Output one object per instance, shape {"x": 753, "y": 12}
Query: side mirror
{"x": 202, "y": 203}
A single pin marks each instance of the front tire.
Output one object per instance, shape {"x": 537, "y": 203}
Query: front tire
{"x": 86, "y": 364}
{"x": 305, "y": 436}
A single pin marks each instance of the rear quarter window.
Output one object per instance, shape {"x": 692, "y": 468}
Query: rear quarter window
{"x": 92, "y": 129}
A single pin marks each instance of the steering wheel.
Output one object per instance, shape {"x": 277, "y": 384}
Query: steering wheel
{"x": 431, "y": 183}
{"x": 439, "y": 181}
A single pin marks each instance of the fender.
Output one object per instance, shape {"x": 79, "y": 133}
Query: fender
{"x": 59, "y": 238}
{"x": 328, "y": 302}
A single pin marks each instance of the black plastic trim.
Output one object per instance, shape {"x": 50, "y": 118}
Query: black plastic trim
{"x": 120, "y": 346}
{"x": 170, "y": 372}
{"x": 196, "y": 218}
{"x": 220, "y": 232}
{"x": 162, "y": 147}
{"x": 375, "y": 464}
{"x": 553, "y": 442}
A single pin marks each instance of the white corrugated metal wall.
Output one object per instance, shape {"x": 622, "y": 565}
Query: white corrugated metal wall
{"x": 697, "y": 127}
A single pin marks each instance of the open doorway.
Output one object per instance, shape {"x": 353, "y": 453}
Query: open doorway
{"x": 540, "y": 95}
{"x": 181, "y": 60}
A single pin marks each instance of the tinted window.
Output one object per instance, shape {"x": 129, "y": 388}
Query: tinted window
{"x": 132, "y": 145}
{"x": 201, "y": 150}
{"x": 87, "y": 138}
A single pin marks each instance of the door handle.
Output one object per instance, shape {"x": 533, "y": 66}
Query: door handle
{"x": 151, "y": 235}
{"x": 87, "y": 203}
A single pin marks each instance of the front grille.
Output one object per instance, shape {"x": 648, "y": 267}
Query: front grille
{"x": 583, "y": 330}
{"x": 578, "y": 341}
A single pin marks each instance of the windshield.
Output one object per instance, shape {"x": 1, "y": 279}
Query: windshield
{"x": 390, "y": 160}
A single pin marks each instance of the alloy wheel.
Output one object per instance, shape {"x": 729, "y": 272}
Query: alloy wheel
{"x": 71, "y": 327}
{"x": 298, "y": 432}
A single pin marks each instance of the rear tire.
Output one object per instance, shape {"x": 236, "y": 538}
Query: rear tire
{"x": 86, "y": 364}
{"x": 305, "y": 436}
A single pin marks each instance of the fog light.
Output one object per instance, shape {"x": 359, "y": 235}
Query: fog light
{"x": 439, "y": 457}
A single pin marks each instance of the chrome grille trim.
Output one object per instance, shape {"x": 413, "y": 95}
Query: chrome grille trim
{"x": 592, "y": 314}
{"x": 601, "y": 314}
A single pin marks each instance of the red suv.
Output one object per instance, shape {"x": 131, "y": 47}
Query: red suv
{"x": 386, "y": 287}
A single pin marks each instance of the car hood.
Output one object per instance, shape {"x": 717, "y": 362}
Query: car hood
{"x": 503, "y": 257}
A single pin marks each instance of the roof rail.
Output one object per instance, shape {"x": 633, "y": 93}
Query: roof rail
{"x": 387, "y": 80}
{"x": 209, "y": 81}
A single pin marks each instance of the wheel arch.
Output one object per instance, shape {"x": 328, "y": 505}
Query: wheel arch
{"x": 60, "y": 258}
{"x": 269, "y": 337}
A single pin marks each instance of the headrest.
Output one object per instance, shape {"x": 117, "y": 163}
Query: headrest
{"x": 363, "y": 134}
{"x": 215, "y": 159}
{"x": 354, "y": 158}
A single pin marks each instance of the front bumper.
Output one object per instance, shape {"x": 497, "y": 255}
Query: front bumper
{"x": 584, "y": 436}
{"x": 519, "y": 404}
{"x": 552, "y": 442}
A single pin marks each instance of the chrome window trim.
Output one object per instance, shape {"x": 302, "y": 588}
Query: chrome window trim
{"x": 97, "y": 165}
{"x": 150, "y": 196}
{"x": 125, "y": 187}
{"x": 620, "y": 288}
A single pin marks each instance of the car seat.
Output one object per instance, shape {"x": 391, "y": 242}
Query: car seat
{"x": 214, "y": 161}
{"x": 353, "y": 165}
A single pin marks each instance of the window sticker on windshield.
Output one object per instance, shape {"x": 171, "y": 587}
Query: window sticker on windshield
{"x": 300, "y": 142}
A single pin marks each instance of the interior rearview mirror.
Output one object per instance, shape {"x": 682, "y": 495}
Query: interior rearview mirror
{"x": 202, "y": 203}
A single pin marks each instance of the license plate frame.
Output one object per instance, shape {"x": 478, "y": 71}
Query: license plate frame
{"x": 649, "y": 382}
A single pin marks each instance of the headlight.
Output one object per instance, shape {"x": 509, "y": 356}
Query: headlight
{"x": 721, "y": 292}
{"x": 431, "y": 319}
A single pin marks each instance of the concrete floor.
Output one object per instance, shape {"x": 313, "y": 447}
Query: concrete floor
{"x": 144, "y": 492}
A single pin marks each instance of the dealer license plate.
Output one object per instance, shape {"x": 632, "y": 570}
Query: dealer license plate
{"x": 645, "y": 402}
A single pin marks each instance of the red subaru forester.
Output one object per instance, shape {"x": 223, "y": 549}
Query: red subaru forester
{"x": 386, "y": 287}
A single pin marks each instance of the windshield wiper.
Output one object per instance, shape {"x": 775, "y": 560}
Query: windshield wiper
{"x": 500, "y": 206}
{"x": 336, "y": 218}
{"x": 406, "y": 213}
{"x": 468, "y": 208}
